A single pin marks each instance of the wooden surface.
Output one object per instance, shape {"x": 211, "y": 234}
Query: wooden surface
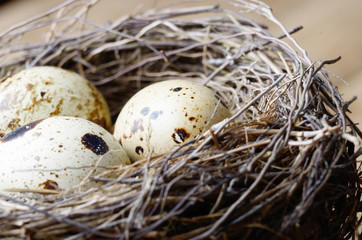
{"x": 331, "y": 28}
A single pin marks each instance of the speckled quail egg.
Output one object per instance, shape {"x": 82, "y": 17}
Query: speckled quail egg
{"x": 46, "y": 91}
{"x": 56, "y": 153}
{"x": 167, "y": 114}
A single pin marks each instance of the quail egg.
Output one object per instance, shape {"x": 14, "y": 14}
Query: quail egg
{"x": 167, "y": 114}
{"x": 45, "y": 91}
{"x": 56, "y": 153}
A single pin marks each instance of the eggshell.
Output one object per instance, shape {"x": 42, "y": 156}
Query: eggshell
{"x": 56, "y": 153}
{"x": 167, "y": 114}
{"x": 45, "y": 91}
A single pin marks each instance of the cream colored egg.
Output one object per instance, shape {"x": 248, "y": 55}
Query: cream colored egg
{"x": 167, "y": 114}
{"x": 56, "y": 153}
{"x": 42, "y": 92}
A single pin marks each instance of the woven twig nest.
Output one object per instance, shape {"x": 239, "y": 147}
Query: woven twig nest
{"x": 282, "y": 167}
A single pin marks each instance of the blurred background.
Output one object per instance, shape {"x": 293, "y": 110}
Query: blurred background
{"x": 331, "y": 28}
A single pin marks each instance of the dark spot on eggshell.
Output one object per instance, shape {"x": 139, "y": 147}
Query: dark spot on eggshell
{"x": 49, "y": 184}
{"x": 191, "y": 118}
{"x": 42, "y": 94}
{"x": 139, "y": 150}
{"x": 176, "y": 89}
{"x": 58, "y": 109}
{"x": 14, "y": 124}
{"x": 137, "y": 125}
{"x": 180, "y": 135}
{"x": 95, "y": 143}
{"x": 19, "y": 132}
{"x": 145, "y": 111}
{"x": 155, "y": 114}
{"x": 29, "y": 86}
{"x": 54, "y": 174}
{"x": 48, "y": 83}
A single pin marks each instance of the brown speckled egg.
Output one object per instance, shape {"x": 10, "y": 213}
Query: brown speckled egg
{"x": 41, "y": 92}
{"x": 167, "y": 114}
{"x": 56, "y": 153}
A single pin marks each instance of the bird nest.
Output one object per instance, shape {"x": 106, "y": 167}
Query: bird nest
{"x": 284, "y": 166}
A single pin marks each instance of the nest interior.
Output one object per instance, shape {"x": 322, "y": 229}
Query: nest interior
{"x": 284, "y": 166}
